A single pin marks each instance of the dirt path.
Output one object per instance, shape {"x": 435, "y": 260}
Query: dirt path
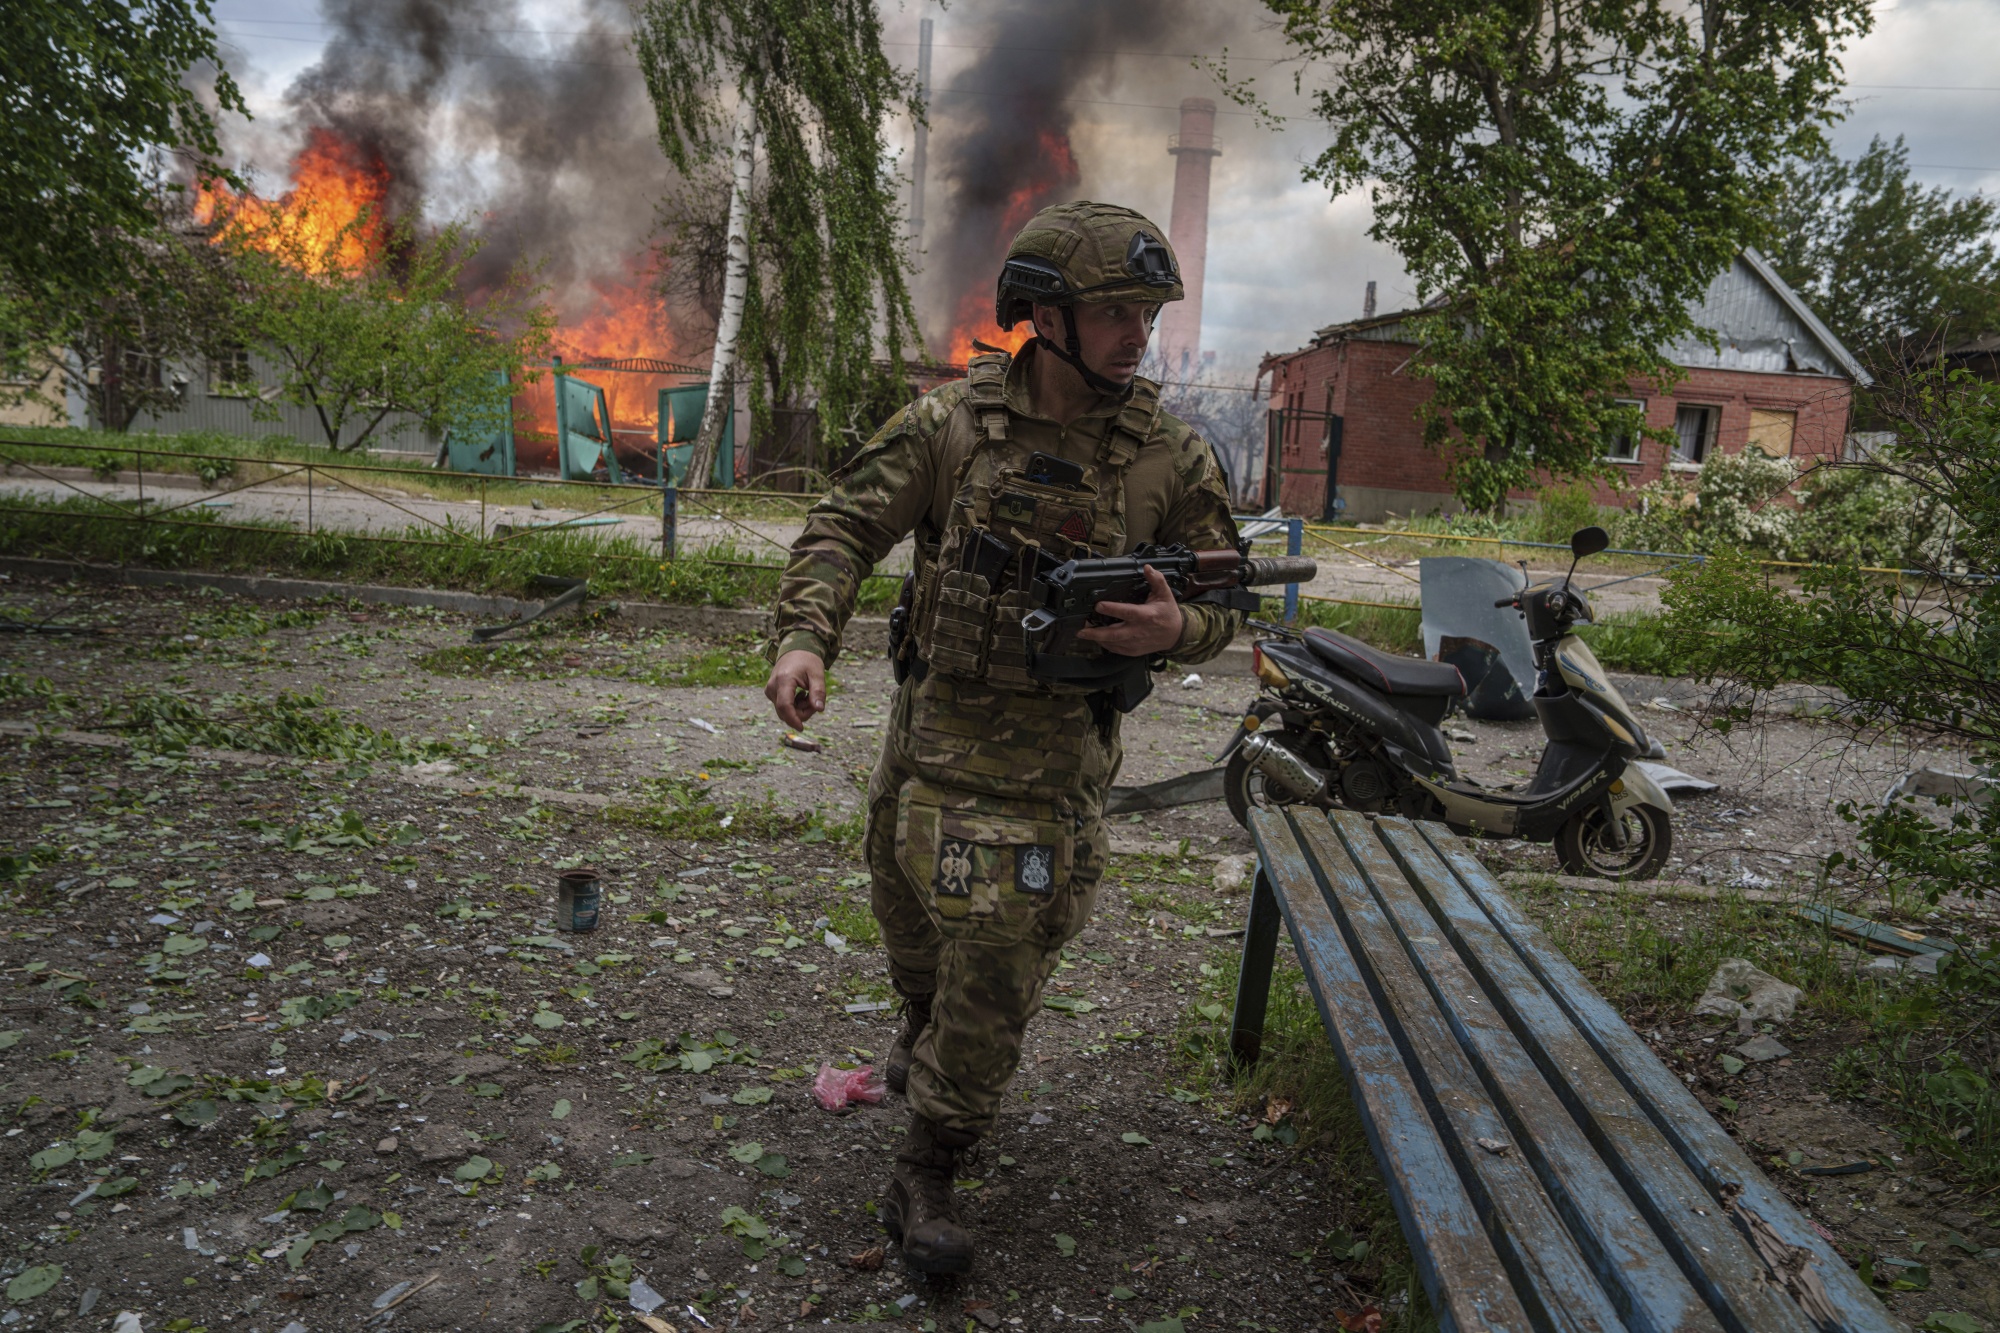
{"x": 326, "y": 999}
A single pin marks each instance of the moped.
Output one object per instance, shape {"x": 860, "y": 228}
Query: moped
{"x": 1338, "y": 723}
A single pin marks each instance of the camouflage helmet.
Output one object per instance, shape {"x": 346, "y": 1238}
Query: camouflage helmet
{"x": 1085, "y": 252}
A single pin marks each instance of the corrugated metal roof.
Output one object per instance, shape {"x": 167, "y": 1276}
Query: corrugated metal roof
{"x": 1759, "y": 322}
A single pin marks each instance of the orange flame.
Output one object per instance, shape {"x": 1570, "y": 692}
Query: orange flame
{"x": 974, "y": 318}
{"x": 333, "y": 214}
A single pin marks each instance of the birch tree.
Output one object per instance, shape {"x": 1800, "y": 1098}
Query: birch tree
{"x": 821, "y": 269}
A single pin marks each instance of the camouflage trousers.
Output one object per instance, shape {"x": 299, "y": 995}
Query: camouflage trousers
{"x": 985, "y": 850}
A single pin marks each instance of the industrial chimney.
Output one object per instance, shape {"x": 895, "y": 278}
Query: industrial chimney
{"x": 1194, "y": 150}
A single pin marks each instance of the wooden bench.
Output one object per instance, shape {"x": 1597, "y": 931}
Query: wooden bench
{"x": 1548, "y": 1170}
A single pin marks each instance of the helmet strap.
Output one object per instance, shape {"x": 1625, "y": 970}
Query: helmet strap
{"x": 1073, "y": 355}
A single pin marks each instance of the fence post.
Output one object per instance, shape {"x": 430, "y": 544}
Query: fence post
{"x": 483, "y": 537}
{"x": 669, "y": 519}
{"x": 309, "y": 499}
{"x": 1295, "y": 532}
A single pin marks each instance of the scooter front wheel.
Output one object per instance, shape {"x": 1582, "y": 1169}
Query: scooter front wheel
{"x": 1584, "y": 845}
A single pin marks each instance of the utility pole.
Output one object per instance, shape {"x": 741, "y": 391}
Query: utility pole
{"x": 918, "y": 153}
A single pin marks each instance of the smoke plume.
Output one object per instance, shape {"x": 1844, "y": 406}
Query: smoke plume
{"x": 1002, "y": 129}
{"x": 546, "y": 140}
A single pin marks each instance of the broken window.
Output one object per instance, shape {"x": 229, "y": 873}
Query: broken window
{"x": 230, "y": 375}
{"x": 1694, "y": 433}
{"x": 1623, "y": 446}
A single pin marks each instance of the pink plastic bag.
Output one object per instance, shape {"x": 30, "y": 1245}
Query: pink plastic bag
{"x": 838, "y": 1089}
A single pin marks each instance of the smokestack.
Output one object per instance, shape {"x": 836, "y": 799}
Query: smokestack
{"x": 1194, "y": 152}
{"x": 917, "y": 153}
{"x": 1368, "y": 301}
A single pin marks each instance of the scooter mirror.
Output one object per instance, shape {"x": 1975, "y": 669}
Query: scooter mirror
{"x": 1589, "y": 541}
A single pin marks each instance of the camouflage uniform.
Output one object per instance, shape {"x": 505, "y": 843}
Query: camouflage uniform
{"x": 985, "y": 840}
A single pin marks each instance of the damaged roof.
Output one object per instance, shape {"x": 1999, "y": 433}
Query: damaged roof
{"x": 1760, "y": 324}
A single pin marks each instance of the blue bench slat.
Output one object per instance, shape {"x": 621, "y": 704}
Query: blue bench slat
{"x": 1553, "y": 1277}
{"x": 1469, "y": 1287}
{"x": 1710, "y": 1252}
{"x": 1706, "y": 1149}
{"x": 1627, "y": 1256}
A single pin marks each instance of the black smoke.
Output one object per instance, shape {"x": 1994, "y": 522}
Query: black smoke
{"x": 1000, "y": 130}
{"x": 545, "y": 141}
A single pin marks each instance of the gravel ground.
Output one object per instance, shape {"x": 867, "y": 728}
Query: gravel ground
{"x": 308, "y": 1026}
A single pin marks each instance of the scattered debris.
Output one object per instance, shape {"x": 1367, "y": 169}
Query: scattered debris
{"x": 1495, "y": 1146}
{"x": 1187, "y": 789}
{"x": 1977, "y": 788}
{"x": 1462, "y": 736}
{"x": 1845, "y": 1169}
{"x": 868, "y": 1261}
{"x": 1740, "y": 990}
{"x": 837, "y": 1089}
{"x": 703, "y": 724}
{"x": 1674, "y": 782}
{"x": 644, "y": 1299}
{"x": 1231, "y": 871}
{"x": 1873, "y": 934}
{"x": 1191, "y": 681}
{"x": 575, "y": 590}
{"x": 797, "y": 742}
{"x": 1763, "y": 1047}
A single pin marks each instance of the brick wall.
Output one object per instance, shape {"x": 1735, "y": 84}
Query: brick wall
{"x": 1385, "y": 465}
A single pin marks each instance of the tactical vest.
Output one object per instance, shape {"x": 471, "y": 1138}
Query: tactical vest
{"x": 967, "y": 612}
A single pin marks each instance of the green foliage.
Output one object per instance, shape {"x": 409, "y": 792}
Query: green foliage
{"x": 1878, "y": 256}
{"x": 298, "y": 724}
{"x": 1566, "y": 186}
{"x": 1898, "y": 654}
{"x": 93, "y": 95}
{"x": 368, "y": 324}
{"x": 827, "y": 276}
{"x": 1835, "y": 513}
{"x": 1560, "y": 511}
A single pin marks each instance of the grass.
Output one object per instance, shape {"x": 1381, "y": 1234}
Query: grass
{"x": 544, "y": 653}
{"x": 1920, "y": 1050}
{"x": 722, "y": 575}
{"x": 1297, "y": 1090}
{"x": 678, "y": 807}
{"x": 220, "y": 459}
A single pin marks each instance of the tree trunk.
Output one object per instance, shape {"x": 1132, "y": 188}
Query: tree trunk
{"x": 735, "y": 288}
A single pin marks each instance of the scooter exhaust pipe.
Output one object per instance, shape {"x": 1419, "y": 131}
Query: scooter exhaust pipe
{"x": 1281, "y": 765}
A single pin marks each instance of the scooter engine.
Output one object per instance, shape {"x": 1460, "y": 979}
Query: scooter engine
{"x": 1364, "y": 785}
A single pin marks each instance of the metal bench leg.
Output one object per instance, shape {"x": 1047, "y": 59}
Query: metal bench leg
{"x": 1253, "y": 981}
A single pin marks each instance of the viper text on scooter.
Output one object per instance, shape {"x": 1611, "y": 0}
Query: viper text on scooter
{"x": 1339, "y": 723}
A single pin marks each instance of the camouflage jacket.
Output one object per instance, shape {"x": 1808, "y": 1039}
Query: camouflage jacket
{"x": 900, "y": 484}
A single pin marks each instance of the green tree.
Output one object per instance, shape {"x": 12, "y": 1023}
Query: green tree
{"x": 1878, "y": 256}
{"x": 1912, "y": 653}
{"x": 816, "y": 265}
{"x": 361, "y": 345}
{"x": 95, "y": 97}
{"x": 1561, "y": 180}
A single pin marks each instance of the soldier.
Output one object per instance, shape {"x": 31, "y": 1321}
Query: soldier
{"x": 985, "y": 840}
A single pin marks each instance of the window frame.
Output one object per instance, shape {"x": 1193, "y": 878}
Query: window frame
{"x": 219, "y": 387}
{"x": 1711, "y": 428}
{"x": 1634, "y": 441}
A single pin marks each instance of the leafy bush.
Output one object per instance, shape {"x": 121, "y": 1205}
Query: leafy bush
{"x": 1561, "y": 510}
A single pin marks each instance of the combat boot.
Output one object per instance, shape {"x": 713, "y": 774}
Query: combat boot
{"x": 916, "y": 1017}
{"x": 919, "y": 1209}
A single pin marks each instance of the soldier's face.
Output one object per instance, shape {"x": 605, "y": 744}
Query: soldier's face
{"x": 1111, "y": 336}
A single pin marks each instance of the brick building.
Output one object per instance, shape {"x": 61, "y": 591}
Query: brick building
{"x": 1344, "y": 440}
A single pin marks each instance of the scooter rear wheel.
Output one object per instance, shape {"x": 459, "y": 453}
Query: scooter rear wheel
{"x": 1584, "y": 849}
{"x": 1246, "y": 787}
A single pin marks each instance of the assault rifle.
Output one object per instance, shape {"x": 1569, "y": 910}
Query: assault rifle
{"x": 1070, "y": 592}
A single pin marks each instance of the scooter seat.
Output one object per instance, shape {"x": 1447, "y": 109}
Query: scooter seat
{"x": 1384, "y": 671}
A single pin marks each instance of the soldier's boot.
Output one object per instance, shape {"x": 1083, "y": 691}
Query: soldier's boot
{"x": 916, "y": 1017}
{"x": 919, "y": 1209}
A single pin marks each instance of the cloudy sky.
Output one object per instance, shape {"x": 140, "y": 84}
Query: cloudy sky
{"x": 1283, "y": 258}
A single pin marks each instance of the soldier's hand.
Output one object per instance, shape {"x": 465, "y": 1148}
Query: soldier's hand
{"x": 797, "y": 687}
{"x": 1144, "y": 628}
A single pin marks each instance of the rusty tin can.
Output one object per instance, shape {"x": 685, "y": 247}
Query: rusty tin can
{"x": 577, "y": 896}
